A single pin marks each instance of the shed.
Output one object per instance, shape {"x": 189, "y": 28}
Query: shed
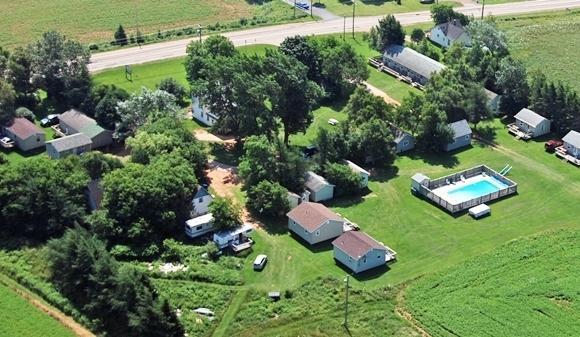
{"x": 461, "y": 135}
{"x": 314, "y": 222}
{"x": 320, "y": 189}
{"x": 572, "y": 143}
{"x": 360, "y": 252}
{"x": 410, "y": 63}
{"x": 199, "y": 226}
{"x": 200, "y": 202}
{"x": 492, "y": 100}
{"x": 362, "y": 173}
{"x": 531, "y": 123}
{"x": 25, "y": 134}
{"x": 404, "y": 141}
{"x": 75, "y": 144}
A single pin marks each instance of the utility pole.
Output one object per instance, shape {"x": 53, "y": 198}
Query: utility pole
{"x": 294, "y": 9}
{"x": 482, "y": 8}
{"x": 311, "y": 5}
{"x": 199, "y": 32}
{"x": 353, "y": 7}
{"x": 344, "y": 30}
{"x": 346, "y": 303}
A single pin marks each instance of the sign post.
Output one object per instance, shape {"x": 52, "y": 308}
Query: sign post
{"x": 129, "y": 73}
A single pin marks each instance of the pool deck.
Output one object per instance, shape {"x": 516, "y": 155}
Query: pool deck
{"x": 443, "y": 192}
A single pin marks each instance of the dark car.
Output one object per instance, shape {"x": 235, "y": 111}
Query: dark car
{"x": 50, "y": 120}
{"x": 551, "y": 145}
{"x": 310, "y": 151}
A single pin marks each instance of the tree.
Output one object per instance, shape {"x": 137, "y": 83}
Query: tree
{"x": 226, "y": 213}
{"x": 512, "y": 79}
{"x": 19, "y": 73}
{"x": 97, "y": 164}
{"x": 23, "y": 112}
{"x": 475, "y": 103}
{"x": 173, "y": 87}
{"x": 305, "y": 51}
{"x": 363, "y": 106}
{"x": 120, "y": 36}
{"x": 59, "y": 67}
{"x": 417, "y": 35}
{"x": 372, "y": 142}
{"x": 200, "y": 57}
{"x": 268, "y": 198}
{"x": 433, "y": 132}
{"x": 426, "y": 48}
{"x": 7, "y": 101}
{"x": 408, "y": 114}
{"x": 389, "y": 31}
{"x": 486, "y": 33}
{"x": 294, "y": 96}
{"x": 442, "y": 13}
{"x": 106, "y": 99}
{"x": 145, "y": 146}
{"x": 342, "y": 176}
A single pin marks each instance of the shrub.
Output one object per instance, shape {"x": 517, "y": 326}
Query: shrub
{"x": 25, "y": 113}
{"x": 346, "y": 181}
{"x": 267, "y": 198}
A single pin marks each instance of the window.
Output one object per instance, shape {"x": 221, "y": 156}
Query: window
{"x": 467, "y": 137}
{"x": 317, "y": 233}
{"x": 378, "y": 256}
{"x": 200, "y": 200}
{"x": 198, "y": 228}
{"x": 406, "y": 143}
{"x": 365, "y": 260}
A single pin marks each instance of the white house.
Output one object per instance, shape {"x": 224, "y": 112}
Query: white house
{"x": 572, "y": 143}
{"x": 25, "y": 134}
{"x": 237, "y": 238}
{"x": 448, "y": 33}
{"x": 201, "y": 113}
{"x": 363, "y": 174}
{"x": 404, "y": 141}
{"x": 314, "y": 222}
{"x": 199, "y": 226}
{"x": 75, "y": 144}
{"x": 532, "y": 123}
{"x": 461, "y": 135}
{"x": 320, "y": 189}
{"x": 200, "y": 202}
{"x": 360, "y": 252}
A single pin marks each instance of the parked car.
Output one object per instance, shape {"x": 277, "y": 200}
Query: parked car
{"x": 552, "y": 144}
{"x": 332, "y": 121}
{"x": 50, "y": 120}
{"x": 310, "y": 151}
{"x": 260, "y": 262}
{"x": 303, "y": 5}
{"x": 7, "y": 142}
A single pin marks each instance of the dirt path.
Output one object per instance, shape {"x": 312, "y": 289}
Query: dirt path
{"x": 378, "y": 92}
{"x": 33, "y": 299}
{"x": 206, "y": 136}
{"x": 404, "y": 314}
{"x": 230, "y": 313}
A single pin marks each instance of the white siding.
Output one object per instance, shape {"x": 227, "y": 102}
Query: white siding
{"x": 326, "y": 193}
{"x": 201, "y": 113}
{"x": 200, "y": 206}
{"x": 327, "y": 231}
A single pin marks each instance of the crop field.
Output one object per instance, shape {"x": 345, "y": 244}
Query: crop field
{"x": 22, "y": 319}
{"x": 24, "y": 21}
{"x": 529, "y": 287}
{"x": 547, "y": 42}
{"x": 377, "y": 7}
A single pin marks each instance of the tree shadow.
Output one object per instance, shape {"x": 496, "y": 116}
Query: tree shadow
{"x": 383, "y": 175}
{"x": 347, "y": 201}
{"x": 445, "y": 159}
{"x": 226, "y": 153}
{"x": 366, "y": 275}
{"x": 487, "y": 132}
{"x": 272, "y": 225}
{"x": 320, "y": 247}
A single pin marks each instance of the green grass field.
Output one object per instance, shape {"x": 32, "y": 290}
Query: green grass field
{"x": 377, "y": 7}
{"x": 19, "y": 318}
{"x": 95, "y": 21}
{"x": 529, "y": 287}
{"x": 547, "y": 42}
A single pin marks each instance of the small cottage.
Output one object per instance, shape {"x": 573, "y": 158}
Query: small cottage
{"x": 404, "y": 141}
{"x": 73, "y": 121}
{"x": 200, "y": 202}
{"x": 492, "y": 101}
{"x": 320, "y": 189}
{"x": 360, "y": 252}
{"x": 531, "y": 124}
{"x": 75, "y": 144}
{"x": 201, "y": 113}
{"x": 314, "y": 222}
{"x": 461, "y": 135}
{"x": 448, "y": 33}
{"x": 295, "y": 199}
{"x": 572, "y": 144}
{"x": 236, "y": 238}
{"x": 362, "y": 173}
{"x": 410, "y": 63}
{"x": 199, "y": 226}
{"x": 25, "y": 134}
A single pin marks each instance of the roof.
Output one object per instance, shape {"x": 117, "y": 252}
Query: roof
{"x": 76, "y": 119}
{"x": 95, "y": 191}
{"x": 70, "y": 142}
{"x": 23, "y": 128}
{"x": 529, "y": 117}
{"x": 413, "y": 60}
{"x": 356, "y": 168}
{"x": 245, "y": 228}
{"x": 460, "y": 128}
{"x": 200, "y": 220}
{"x": 315, "y": 182}
{"x": 91, "y": 130}
{"x": 419, "y": 177}
{"x": 357, "y": 244}
{"x": 452, "y": 29}
{"x": 311, "y": 215}
{"x": 399, "y": 133}
{"x": 573, "y": 137}
{"x": 490, "y": 94}
{"x": 201, "y": 192}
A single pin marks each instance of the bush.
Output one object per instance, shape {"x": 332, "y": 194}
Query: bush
{"x": 346, "y": 181}
{"x": 173, "y": 87}
{"x": 25, "y": 113}
{"x": 93, "y": 46}
{"x": 417, "y": 35}
{"x": 267, "y": 198}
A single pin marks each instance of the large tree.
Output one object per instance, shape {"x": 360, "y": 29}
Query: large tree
{"x": 226, "y": 213}
{"x": 201, "y": 56}
{"x": 433, "y": 132}
{"x": 512, "y": 80}
{"x": 105, "y": 99}
{"x": 345, "y": 180}
{"x": 7, "y": 100}
{"x": 408, "y": 115}
{"x": 389, "y": 31}
{"x": 442, "y": 13}
{"x": 363, "y": 106}
{"x": 305, "y": 51}
{"x": 475, "y": 102}
{"x": 486, "y": 33}
{"x": 19, "y": 73}
{"x": 268, "y": 198}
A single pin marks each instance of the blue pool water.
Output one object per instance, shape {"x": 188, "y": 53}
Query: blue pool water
{"x": 476, "y": 189}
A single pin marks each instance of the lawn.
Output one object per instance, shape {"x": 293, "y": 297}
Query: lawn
{"x": 321, "y": 117}
{"x": 547, "y": 42}
{"x": 20, "y": 318}
{"x": 526, "y": 288}
{"x": 377, "y": 7}
{"x": 95, "y": 21}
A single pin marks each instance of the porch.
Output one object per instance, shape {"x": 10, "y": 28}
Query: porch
{"x": 562, "y": 153}
{"x": 516, "y": 131}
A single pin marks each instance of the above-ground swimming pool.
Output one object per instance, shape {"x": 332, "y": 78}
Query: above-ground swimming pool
{"x": 471, "y": 188}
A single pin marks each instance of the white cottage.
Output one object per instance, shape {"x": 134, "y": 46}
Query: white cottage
{"x": 363, "y": 174}
{"x": 314, "y": 222}
{"x": 200, "y": 202}
{"x": 448, "y": 33}
{"x": 320, "y": 189}
{"x": 201, "y": 113}
{"x": 461, "y": 135}
{"x": 531, "y": 123}
{"x": 572, "y": 144}
{"x": 360, "y": 252}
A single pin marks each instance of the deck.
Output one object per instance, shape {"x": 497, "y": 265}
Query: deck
{"x": 242, "y": 246}
{"x": 562, "y": 153}
{"x": 513, "y": 129}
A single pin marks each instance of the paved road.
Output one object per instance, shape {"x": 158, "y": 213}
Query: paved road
{"x": 276, "y": 34}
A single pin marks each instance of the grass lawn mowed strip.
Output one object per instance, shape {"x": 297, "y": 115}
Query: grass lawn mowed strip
{"x": 22, "y": 319}
{"x": 528, "y": 287}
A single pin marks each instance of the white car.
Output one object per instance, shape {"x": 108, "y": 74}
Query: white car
{"x": 260, "y": 262}
{"x": 332, "y": 121}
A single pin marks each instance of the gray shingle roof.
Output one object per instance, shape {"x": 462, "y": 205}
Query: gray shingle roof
{"x": 315, "y": 182}
{"x": 399, "y": 133}
{"x": 201, "y": 192}
{"x": 70, "y": 142}
{"x": 76, "y": 119}
{"x": 413, "y": 60}
{"x": 460, "y": 128}
{"x": 490, "y": 94}
{"x": 529, "y": 117}
{"x": 311, "y": 215}
{"x": 573, "y": 137}
{"x": 452, "y": 29}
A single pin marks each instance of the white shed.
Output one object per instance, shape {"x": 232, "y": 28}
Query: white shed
{"x": 201, "y": 113}
{"x": 363, "y": 174}
{"x": 532, "y": 123}
{"x": 320, "y": 189}
{"x": 200, "y": 202}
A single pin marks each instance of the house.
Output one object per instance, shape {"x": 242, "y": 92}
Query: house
{"x": 74, "y": 144}
{"x": 404, "y": 141}
{"x": 407, "y": 62}
{"x": 94, "y": 194}
{"x": 200, "y": 202}
{"x": 201, "y": 113}
{"x": 73, "y": 121}
{"x": 320, "y": 189}
{"x": 530, "y": 124}
{"x": 572, "y": 143}
{"x": 461, "y": 135}
{"x": 362, "y": 173}
{"x": 199, "y": 226}
{"x": 315, "y": 223}
{"x": 25, "y": 134}
{"x": 360, "y": 252}
{"x": 448, "y": 33}
{"x": 492, "y": 101}
{"x": 236, "y": 238}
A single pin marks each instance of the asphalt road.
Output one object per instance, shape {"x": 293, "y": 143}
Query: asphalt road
{"x": 276, "y": 34}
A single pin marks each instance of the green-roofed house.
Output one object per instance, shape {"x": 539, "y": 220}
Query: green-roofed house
{"x": 74, "y": 121}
